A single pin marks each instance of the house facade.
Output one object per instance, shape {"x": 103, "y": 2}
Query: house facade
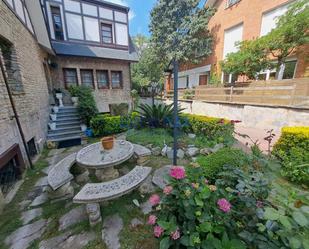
{"x": 235, "y": 21}
{"x": 48, "y": 45}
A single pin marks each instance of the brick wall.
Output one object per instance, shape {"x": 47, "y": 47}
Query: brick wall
{"x": 32, "y": 102}
{"x": 248, "y": 12}
{"x": 103, "y": 97}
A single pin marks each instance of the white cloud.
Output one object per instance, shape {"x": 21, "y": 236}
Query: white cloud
{"x": 124, "y": 3}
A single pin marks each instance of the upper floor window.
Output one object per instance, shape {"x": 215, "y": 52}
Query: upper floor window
{"x": 57, "y": 23}
{"x": 87, "y": 77}
{"x": 107, "y": 33}
{"x": 231, "y": 2}
{"x": 102, "y": 79}
{"x": 70, "y": 77}
{"x": 116, "y": 79}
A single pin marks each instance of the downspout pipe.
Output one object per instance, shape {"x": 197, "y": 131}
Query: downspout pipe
{"x": 15, "y": 112}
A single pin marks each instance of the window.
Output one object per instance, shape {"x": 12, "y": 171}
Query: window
{"x": 229, "y": 78}
{"x": 70, "y": 77}
{"x": 87, "y": 77}
{"x": 289, "y": 70}
{"x": 231, "y": 37}
{"x": 116, "y": 79}
{"x": 107, "y": 33}
{"x": 231, "y": 2}
{"x": 57, "y": 23}
{"x": 102, "y": 79}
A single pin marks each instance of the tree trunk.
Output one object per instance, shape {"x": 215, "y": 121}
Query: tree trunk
{"x": 280, "y": 69}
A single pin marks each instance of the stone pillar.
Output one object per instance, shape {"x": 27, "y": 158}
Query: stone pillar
{"x": 94, "y": 213}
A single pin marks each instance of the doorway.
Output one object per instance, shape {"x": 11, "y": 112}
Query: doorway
{"x": 203, "y": 80}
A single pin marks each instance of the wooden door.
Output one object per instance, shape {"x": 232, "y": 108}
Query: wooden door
{"x": 203, "y": 80}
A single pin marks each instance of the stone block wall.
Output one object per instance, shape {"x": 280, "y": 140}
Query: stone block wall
{"x": 103, "y": 97}
{"x": 31, "y": 100}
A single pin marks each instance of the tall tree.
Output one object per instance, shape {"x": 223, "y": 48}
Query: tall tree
{"x": 179, "y": 34}
{"x": 141, "y": 42}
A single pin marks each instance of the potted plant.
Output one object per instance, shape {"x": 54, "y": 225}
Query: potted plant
{"x": 74, "y": 90}
{"x": 55, "y": 109}
{"x": 53, "y": 117}
{"x": 107, "y": 142}
{"x": 59, "y": 96}
{"x": 83, "y": 127}
{"x": 52, "y": 126}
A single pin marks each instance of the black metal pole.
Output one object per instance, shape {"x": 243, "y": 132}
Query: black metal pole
{"x": 152, "y": 95}
{"x": 15, "y": 112}
{"x": 175, "y": 69}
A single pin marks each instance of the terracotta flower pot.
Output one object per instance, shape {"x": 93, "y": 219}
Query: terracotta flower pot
{"x": 107, "y": 142}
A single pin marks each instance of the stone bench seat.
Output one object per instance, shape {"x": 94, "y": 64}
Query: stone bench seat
{"x": 99, "y": 192}
{"x": 60, "y": 174}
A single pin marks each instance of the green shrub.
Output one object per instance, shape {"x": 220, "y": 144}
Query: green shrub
{"x": 292, "y": 149}
{"x": 216, "y": 129}
{"x": 87, "y": 107}
{"x": 106, "y": 124}
{"x": 214, "y": 163}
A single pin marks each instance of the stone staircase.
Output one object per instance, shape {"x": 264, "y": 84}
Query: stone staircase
{"x": 67, "y": 125}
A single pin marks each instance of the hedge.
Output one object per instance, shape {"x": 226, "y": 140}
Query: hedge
{"x": 212, "y": 128}
{"x": 292, "y": 149}
{"x": 106, "y": 124}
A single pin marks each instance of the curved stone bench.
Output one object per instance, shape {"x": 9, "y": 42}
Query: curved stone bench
{"x": 99, "y": 192}
{"x": 60, "y": 174}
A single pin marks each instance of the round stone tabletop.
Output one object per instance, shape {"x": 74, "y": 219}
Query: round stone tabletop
{"x": 95, "y": 157}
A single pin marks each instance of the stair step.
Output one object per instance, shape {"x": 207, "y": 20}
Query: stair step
{"x": 63, "y": 133}
{"x": 65, "y": 129}
{"x": 66, "y": 108}
{"x": 66, "y": 124}
{"x": 64, "y": 138}
{"x": 76, "y": 118}
{"x": 62, "y": 115}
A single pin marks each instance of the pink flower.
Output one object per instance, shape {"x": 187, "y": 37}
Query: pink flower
{"x": 152, "y": 219}
{"x": 154, "y": 200}
{"x": 167, "y": 190}
{"x": 175, "y": 235}
{"x": 157, "y": 231}
{"x": 206, "y": 181}
{"x": 178, "y": 172}
{"x": 224, "y": 205}
{"x": 259, "y": 204}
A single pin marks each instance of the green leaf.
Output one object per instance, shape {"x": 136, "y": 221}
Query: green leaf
{"x": 165, "y": 243}
{"x": 198, "y": 201}
{"x": 164, "y": 224}
{"x": 295, "y": 243}
{"x": 306, "y": 243}
{"x": 285, "y": 222}
{"x": 300, "y": 218}
{"x": 237, "y": 244}
{"x": 205, "y": 227}
{"x": 271, "y": 214}
{"x": 184, "y": 240}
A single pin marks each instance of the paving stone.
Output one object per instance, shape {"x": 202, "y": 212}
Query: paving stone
{"x": 136, "y": 222}
{"x": 165, "y": 150}
{"x": 156, "y": 151}
{"x": 141, "y": 151}
{"x": 74, "y": 216}
{"x": 217, "y": 147}
{"x": 55, "y": 241}
{"x": 68, "y": 241}
{"x": 112, "y": 226}
{"x": 25, "y": 235}
{"x": 42, "y": 182}
{"x": 160, "y": 176}
{"x": 41, "y": 199}
{"x": 30, "y": 215}
{"x": 82, "y": 178}
{"x": 170, "y": 153}
{"x": 193, "y": 151}
{"x": 147, "y": 186}
{"x": 124, "y": 170}
{"x": 146, "y": 207}
{"x": 205, "y": 151}
{"x": 191, "y": 135}
{"x": 23, "y": 204}
{"x": 54, "y": 152}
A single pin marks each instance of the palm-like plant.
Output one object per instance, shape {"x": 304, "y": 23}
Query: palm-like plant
{"x": 156, "y": 116}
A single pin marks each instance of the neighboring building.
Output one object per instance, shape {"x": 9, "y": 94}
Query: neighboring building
{"x": 234, "y": 21}
{"x": 48, "y": 45}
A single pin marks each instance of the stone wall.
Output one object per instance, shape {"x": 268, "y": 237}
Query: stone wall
{"x": 32, "y": 101}
{"x": 103, "y": 97}
{"x": 251, "y": 116}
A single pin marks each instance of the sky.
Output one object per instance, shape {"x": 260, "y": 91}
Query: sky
{"x": 139, "y": 15}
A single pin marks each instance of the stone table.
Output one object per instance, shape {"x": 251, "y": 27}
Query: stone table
{"x": 94, "y": 157}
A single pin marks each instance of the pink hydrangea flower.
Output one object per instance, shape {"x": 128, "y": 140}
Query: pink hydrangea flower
{"x": 152, "y": 219}
{"x": 259, "y": 204}
{"x": 178, "y": 172}
{"x": 206, "y": 181}
{"x": 167, "y": 190}
{"x": 175, "y": 235}
{"x": 224, "y": 205}
{"x": 154, "y": 200}
{"x": 158, "y": 231}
